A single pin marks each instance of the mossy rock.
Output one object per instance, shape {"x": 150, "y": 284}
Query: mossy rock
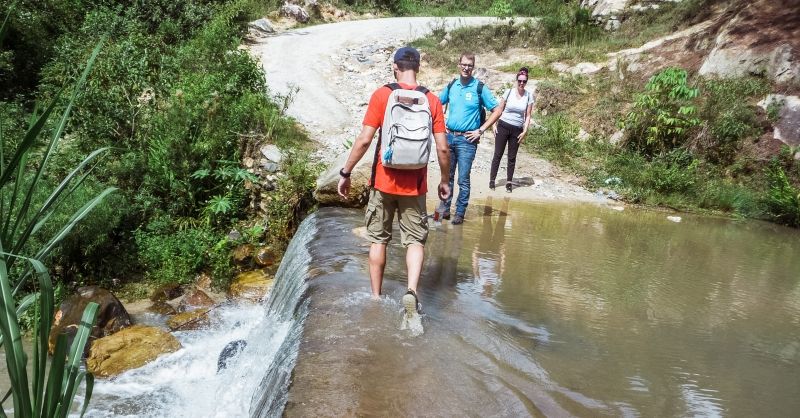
{"x": 161, "y": 308}
{"x": 242, "y": 253}
{"x": 131, "y": 348}
{"x": 251, "y": 285}
{"x": 166, "y": 292}
{"x": 189, "y": 320}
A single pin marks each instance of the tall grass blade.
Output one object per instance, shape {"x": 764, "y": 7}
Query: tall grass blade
{"x": 55, "y": 379}
{"x": 55, "y": 139}
{"x": 77, "y": 217}
{"x": 89, "y": 387}
{"x": 44, "y": 212}
{"x": 15, "y": 354}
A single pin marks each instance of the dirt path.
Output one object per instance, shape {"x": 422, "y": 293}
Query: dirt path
{"x": 335, "y": 68}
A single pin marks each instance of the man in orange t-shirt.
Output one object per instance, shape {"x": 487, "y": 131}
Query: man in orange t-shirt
{"x": 398, "y": 190}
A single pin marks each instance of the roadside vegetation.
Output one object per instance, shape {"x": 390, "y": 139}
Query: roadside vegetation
{"x": 174, "y": 101}
{"x": 684, "y": 141}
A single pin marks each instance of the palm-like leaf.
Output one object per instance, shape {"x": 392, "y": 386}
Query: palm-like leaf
{"x": 51, "y": 393}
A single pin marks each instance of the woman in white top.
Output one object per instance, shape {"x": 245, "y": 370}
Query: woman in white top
{"x": 517, "y": 105}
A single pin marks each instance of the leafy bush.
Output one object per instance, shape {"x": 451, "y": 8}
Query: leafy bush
{"x": 782, "y": 199}
{"x": 173, "y": 255}
{"x": 663, "y": 115}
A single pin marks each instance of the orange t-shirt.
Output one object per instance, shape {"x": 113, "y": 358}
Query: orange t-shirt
{"x": 393, "y": 180}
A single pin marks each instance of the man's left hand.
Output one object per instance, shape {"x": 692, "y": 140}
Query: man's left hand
{"x": 473, "y": 136}
{"x": 444, "y": 191}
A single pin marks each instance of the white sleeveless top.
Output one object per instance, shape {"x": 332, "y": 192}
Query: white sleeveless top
{"x": 514, "y": 113}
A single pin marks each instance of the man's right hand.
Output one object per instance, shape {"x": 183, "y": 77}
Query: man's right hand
{"x": 444, "y": 191}
{"x": 344, "y": 187}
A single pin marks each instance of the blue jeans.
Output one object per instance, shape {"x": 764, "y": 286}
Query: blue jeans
{"x": 462, "y": 153}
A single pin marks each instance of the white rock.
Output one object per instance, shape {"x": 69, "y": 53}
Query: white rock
{"x": 261, "y": 25}
{"x": 559, "y": 67}
{"x": 787, "y": 127}
{"x": 674, "y": 218}
{"x": 585, "y": 68}
{"x": 616, "y": 137}
{"x": 272, "y": 153}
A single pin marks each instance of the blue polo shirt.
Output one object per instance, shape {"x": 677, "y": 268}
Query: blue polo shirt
{"x": 463, "y": 113}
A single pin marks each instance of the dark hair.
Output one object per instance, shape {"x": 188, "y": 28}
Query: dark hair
{"x": 405, "y": 65}
{"x": 468, "y": 55}
{"x": 523, "y": 70}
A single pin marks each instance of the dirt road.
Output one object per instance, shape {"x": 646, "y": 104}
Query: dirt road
{"x": 335, "y": 67}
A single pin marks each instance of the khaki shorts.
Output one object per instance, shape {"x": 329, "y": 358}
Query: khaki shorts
{"x": 413, "y": 218}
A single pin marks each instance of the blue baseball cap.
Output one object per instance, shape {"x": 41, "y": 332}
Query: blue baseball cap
{"x": 407, "y": 54}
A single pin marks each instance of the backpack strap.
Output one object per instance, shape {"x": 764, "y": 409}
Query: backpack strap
{"x": 374, "y": 171}
{"x": 449, "y": 85}
{"x": 508, "y": 94}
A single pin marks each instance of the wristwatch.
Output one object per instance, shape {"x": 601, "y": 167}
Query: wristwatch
{"x": 343, "y": 174}
{"x": 480, "y": 131}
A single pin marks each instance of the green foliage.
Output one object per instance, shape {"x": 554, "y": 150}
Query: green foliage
{"x": 22, "y": 166}
{"x": 782, "y": 199}
{"x": 729, "y": 116}
{"x": 291, "y": 198}
{"x": 663, "y": 115}
{"x": 501, "y": 9}
{"x": 171, "y": 254}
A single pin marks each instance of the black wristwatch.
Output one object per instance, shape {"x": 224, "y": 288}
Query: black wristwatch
{"x": 343, "y": 174}
{"x": 480, "y": 131}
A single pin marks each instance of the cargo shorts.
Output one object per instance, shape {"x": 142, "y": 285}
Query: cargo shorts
{"x": 412, "y": 217}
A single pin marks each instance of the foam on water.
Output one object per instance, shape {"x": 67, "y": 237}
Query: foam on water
{"x": 186, "y": 383}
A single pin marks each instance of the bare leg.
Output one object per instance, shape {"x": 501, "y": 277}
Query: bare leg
{"x": 415, "y": 254}
{"x": 377, "y": 261}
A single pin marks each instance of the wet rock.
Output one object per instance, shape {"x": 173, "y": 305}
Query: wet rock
{"x": 196, "y": 300}
{"x": 128, "y": 349}
{"x": 186, "y": 321}
{"x": 203, "y": 281}
{"x": 242, "y": 253}
{"x": 265, "y": 257}
{"x": 327, "y": 193}
{"x": 231, "y": 350}
{"x": 111, "y": 316}
{"x": 161, "y": 308}
{"x": 166, "y": 292}
{"x": 252, "y": 285}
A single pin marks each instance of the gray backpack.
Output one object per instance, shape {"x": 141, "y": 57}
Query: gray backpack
{"x": 407, "y": 131}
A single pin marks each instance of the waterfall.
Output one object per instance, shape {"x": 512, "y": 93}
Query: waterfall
{"x": 287, "y": 304}
{"x": 187, "y": 384}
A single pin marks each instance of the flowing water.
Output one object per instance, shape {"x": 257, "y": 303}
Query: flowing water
{"x": 550, "y": 310}
{"x": 529, "y": 310}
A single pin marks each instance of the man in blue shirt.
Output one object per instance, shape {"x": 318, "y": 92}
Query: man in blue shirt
{"x": 464, "y": 97}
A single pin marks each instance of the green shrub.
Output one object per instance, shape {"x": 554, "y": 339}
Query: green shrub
{"x": 170, "y": 254}
{"x": 782, "y": 199}
{"x": 663, "y": 115}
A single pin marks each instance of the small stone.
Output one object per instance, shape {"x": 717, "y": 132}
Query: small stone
{"x": 674, "y": 218}
{"x": 166, "y": 292}
{"x": 189, "y": 320}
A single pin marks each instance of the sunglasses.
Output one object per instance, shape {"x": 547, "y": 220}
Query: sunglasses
{"x": 522, "y": 81}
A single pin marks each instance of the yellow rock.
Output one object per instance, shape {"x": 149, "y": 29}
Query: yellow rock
{"x": 189, "y": 320}
{"x": 130, "y": 348}
{"x": 252, "y": 285}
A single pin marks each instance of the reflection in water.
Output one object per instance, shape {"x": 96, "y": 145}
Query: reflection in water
{"x": 559, "y": 310}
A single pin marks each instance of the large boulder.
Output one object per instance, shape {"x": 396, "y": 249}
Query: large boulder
{"x": 327, "y": 193}
{"x": 129, "y": 349}
{"x": 111, "y": 315}
{"x": 762, "y": 38}
{"x": 252, "y": 285}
